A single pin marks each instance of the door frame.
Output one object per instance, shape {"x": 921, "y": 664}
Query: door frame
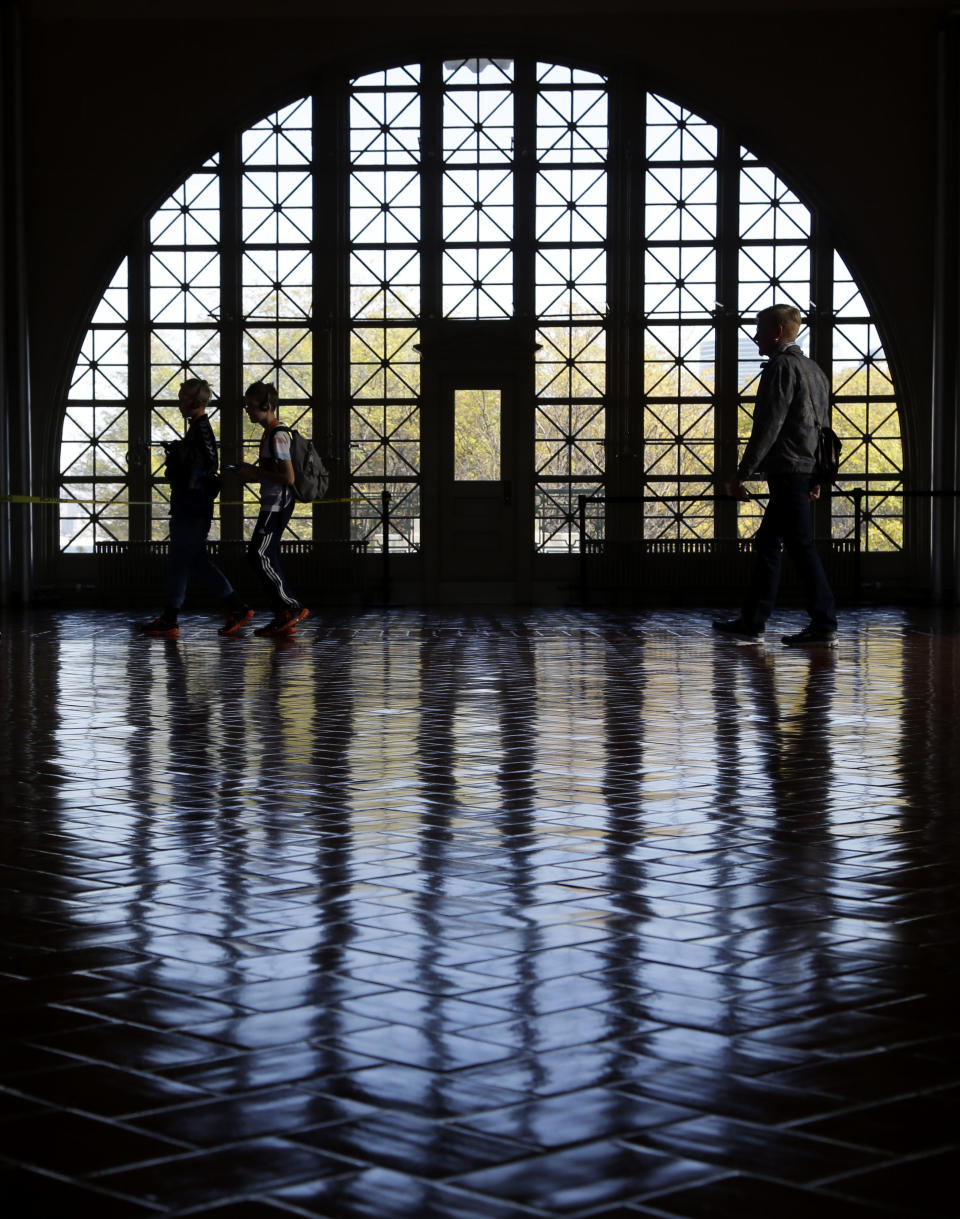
{"x": 477, "y": 352}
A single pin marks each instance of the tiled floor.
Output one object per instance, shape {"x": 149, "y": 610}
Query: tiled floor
{"x": 479, "y": 916}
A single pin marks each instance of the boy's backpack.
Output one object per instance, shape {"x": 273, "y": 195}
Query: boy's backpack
{"x": 311, "y": 478}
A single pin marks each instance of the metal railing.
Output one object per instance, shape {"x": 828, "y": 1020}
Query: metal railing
{"x": 859, "y": 495}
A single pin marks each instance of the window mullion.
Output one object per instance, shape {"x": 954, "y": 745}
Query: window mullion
{"x": 138, "y": 406}
{"x": 231, "y": 325}
{"x": 431, "y": 197}
{"x": 727, "y": 321}
{"x": 331, "y": 328}
{"x": 821, "y": 334}
{"x": 524, "y": 186}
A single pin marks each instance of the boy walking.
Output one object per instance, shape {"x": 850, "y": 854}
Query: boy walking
{"x": 191, "y": 470}
{"x": 274, "y": 472}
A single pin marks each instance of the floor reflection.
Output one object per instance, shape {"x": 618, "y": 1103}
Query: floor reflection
{"x": 491, "y": 914}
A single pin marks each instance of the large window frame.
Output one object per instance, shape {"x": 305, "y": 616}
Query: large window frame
{"x": 261, "y": 264}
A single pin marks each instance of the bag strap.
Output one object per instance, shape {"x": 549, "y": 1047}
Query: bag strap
{"x": 280, "y": 427}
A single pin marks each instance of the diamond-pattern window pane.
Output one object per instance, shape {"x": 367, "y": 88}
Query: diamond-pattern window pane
{"x": 277, "y": 206}
{"x": 681, "y": 203}
{"x": 282, "y": 138}
{"x": 678, "y": 439}
{"x": 283, "y": 356}
{"x": 101, "y": 370}
{"x": 571, "y": 282}
{"x": 277, "y": 285}
{"x": 478, "y": 126}
{"x": 385, "y": 207}
{"x": 177, "y": 355}
{"x": 571, "y": 205}
{"x": 678, "y": 511}
{"x": 571, "y": 362}
{"x": 677, "y": 134}
{"x": 191, "y": 216}
{"x": 557, "y": 509}
{"x": 859, "y": 364}
{"x": 366, "y": 515}
{"x": 680, "y": 281}
{"x": 870, "y": 431}
{"x": 848, "y": 301}
{"x": 113, "y": 308}
{"x": 385, "y": 283}
{"x": 184, "y": 286}
{"x": 384, "y": 363}
{"x": 572, "y": 126}
{"x": 94, "y": 442}
{"x": 679, "y": 361}
{"x": 569, "y": 439}
{"x": 478, "y": 283}
{"x": 774, "y": 275}
{"x": 866, "y": 418}
{"x": 768, "y": 210}
{"x": 385, "y": 128}
{"x": 92, "y": 512}
{"x": 385, "y": 440}
{"x": 478, "y": 205}
{"x": 881, "y": 527}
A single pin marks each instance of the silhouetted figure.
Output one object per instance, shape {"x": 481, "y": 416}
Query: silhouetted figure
{"x": 792, "y": 396}
{"x": 274, "y": 472}
{"x": 191, "y": 470}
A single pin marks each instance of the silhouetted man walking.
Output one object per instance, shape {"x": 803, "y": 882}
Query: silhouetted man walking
{"x": 792, "y": 396}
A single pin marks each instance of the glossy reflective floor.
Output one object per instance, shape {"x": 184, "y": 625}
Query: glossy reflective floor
{"x": 479, "y": 916}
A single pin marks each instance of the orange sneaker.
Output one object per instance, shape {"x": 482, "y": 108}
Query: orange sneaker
{"x": 235, "y": 620}
{"x": 159, "y": 628}
{"x": 285, "y": 623}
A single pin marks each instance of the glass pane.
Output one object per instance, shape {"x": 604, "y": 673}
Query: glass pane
{"x": 476, "y": 435}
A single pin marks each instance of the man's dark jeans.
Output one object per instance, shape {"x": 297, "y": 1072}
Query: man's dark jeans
{"x": 787, "y": 520}
{"x": 188, "y": 553}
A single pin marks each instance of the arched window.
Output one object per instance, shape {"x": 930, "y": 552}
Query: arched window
{"x": 621, "y": 241}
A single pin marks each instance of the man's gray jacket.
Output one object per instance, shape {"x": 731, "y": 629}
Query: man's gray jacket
{"x": 792, "y": 395}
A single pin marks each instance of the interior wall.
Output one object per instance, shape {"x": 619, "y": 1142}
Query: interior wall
{"x": 843, "y": 102}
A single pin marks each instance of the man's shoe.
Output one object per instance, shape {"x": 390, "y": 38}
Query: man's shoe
{"x": 738, "y": 629}
{"x": 812, "y": 637}
{"x": 235, "y": 620}
{"x": 285, "y": 623}
{"x": 160, "y": 628}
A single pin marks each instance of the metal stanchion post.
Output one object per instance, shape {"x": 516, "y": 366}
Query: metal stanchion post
{"x": 385, "y": 511}
{"x": 582, "y": 515}
{"x": 858, "y": 496}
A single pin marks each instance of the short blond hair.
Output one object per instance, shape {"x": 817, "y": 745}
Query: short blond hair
{"x": 788, "y": 317}
{"x": 199, "y": 390}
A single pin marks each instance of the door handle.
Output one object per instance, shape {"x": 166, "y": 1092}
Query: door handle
{"x": 507, "y": 492}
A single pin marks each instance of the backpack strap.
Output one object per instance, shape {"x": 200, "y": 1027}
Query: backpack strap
{"x": 280, "y": 427}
